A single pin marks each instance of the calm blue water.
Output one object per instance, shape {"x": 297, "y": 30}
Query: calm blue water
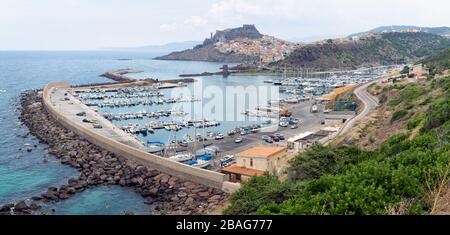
{"x": 24, "y": 174}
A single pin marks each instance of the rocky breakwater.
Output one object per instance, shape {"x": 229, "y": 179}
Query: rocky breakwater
{"x": 167, "y": 194}
{"x": 119, "y": 75}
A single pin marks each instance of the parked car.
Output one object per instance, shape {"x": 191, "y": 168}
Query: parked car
{"x": 274, "y": 138}
{"x": 183, "y": 143}
{"x": 284, "y": 124}
{"x": 86, "y": 120}
{"x": 98, "y": 126}
{"x": 269, "y": 140}
{"x": 280, "y": 136}
{"x": 265, "y": 137}
{"x": 294, "y": 126}
{"x": 81, "y": 114}
{"x": 219, "y": 137}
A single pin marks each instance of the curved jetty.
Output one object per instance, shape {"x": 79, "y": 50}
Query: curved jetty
{"x": 98, "y": 166}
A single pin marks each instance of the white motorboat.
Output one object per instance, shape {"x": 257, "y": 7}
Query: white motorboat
{"x": 201, "y": 164}
{"x": 181, "y": 157}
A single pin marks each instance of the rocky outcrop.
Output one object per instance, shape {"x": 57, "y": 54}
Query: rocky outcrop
{"x": 100, "y": 167}
{"x": 246, "y": 31}
{"x": 208, "y": 52}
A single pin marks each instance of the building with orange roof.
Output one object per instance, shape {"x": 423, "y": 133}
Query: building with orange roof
{"x": 255, "y": 161}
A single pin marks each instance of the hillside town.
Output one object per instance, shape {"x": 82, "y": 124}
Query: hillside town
{"x": 268, "y": 48}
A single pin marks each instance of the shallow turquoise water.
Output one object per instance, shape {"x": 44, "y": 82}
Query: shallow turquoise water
{"x": 23, "y": 174}
{"x": 103, "y": 200}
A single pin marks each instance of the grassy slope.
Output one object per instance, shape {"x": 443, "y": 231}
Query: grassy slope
{"x": 400, "y": 176}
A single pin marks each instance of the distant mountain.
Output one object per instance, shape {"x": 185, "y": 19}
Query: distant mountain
{"x": 208, "y": 50}
{"x": 166, "y": 48}
{"x": 442, "y": 31}
{"x": 370, "y": 50}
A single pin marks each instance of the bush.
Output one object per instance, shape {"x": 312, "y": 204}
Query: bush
{"x": 411, "y": 92}
{"x": 320, "y": 160}
{"x": 415, "y": 122}
{"x": 405, "y": 70}
{"x": 393, "y": 103}
{"x": 259, "y": 191}
{"x": 438, "y": 113}
{"x": 398, "y": 115}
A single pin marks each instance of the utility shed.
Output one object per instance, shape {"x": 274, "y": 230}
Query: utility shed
{"x": 307, "y": 139}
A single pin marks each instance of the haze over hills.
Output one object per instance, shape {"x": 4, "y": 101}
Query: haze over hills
{"x": 166, "y": 48}
{"x": 442, "y": 31}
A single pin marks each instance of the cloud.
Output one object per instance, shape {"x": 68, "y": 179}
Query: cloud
{"x": 291, "y": 18}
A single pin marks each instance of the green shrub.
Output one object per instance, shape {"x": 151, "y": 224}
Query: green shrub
{"x": 415, "y": 122}
{"x": 397, "y": 115}
{"x": 393, "y": 103}
{"x": 411, "y": 92}
{"x": 438, "y": 113}
{"x": 405, "y": 70}
{"x": 259, "y": 191}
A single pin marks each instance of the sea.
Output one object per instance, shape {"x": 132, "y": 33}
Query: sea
{"x": 24, "y": 174}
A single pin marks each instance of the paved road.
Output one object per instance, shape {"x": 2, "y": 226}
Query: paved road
{"x": 73, "y": 106}
{"x": 370, "y": 103}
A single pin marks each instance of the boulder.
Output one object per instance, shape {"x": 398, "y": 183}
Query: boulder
{"x": 153, "y": 191}
{"x": 165, "y": 179}
{"x": 182, "y": 194}
{"x": 189, "y": 201}
{"x": 158, "y": 177}
{"x": 21, "y": 206}
{"x": 50, "y": 195}
{"x": 36, "y": 198}
{"x": 204, "y": 194}
{"x": 71, "y": 190}
{"x": 214, "y": 198}
{"x": 6, "y": 208}
{"x": 63, "y": 196}
{"x": 35, "y": 207}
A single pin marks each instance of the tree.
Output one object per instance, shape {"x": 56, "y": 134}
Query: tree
{"x": 405, "y": 70}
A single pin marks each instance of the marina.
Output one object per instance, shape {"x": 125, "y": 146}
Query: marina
{"x": 169, "y": 127}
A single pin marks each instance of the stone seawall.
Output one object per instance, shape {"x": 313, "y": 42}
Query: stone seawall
{"x": 198, "y": 175}
{"x": 98, "y": 166}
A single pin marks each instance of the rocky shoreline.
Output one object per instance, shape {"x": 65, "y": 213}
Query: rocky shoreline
{"x": 167, "y": 194}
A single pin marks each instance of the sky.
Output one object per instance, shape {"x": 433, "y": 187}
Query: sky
{"x": 93, "y": 24}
